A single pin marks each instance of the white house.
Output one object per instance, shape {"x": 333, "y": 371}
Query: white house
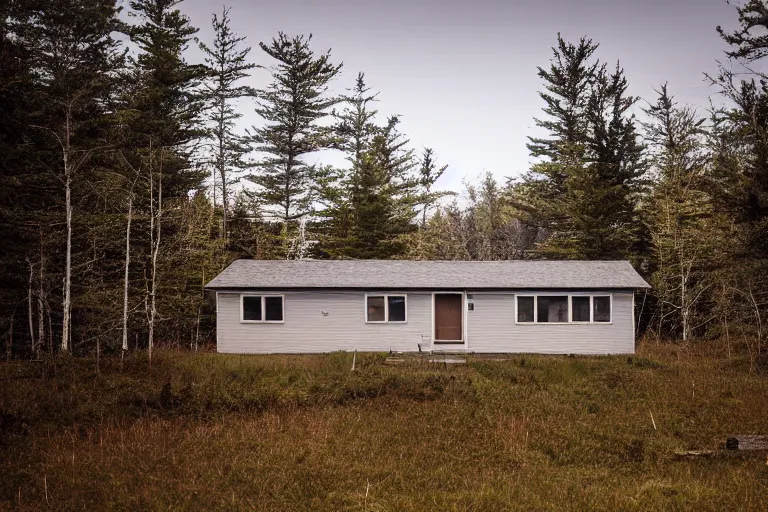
{"x": 555, "y": 307}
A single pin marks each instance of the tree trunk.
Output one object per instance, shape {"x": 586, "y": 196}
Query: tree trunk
{"x": 127, "y": 265}
{"x": 29, "y": 307}
{"x": 153, "y": 295}
{"x": 9, "y": 345}
{"x": 68, "y": 267}
{"x": 41, "y": 300}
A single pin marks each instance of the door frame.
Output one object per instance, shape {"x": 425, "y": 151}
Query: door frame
{"x": 452, "y": 344}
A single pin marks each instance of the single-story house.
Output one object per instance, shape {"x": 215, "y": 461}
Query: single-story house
{"x": 554, "y": 307}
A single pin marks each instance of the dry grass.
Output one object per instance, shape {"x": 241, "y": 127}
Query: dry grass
{"x": 214, "y": 432}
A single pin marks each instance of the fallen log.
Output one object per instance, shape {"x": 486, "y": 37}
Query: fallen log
{"x": 696, "y": 453}
{"x": 747, "y": 443}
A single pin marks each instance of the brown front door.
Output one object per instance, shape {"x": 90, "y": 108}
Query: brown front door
{"x": 448, "y": 316}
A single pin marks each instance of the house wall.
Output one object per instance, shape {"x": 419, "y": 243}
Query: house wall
{"x": 491, "y": 327}
{"x": 307, "y": 330}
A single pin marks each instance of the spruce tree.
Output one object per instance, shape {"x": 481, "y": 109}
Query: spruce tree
{"x": 354, "y": 130}
{"x": 429, "y": 173}
{"x": 583, "y": 193}
{"x": 568, "y": 83}
{"x": 356, "y": 127}
{"x": 384, "y": 195}
{"x": 163, "y": 99}
{"x": 229, "y": 65}
{"x": 292, "y": 106}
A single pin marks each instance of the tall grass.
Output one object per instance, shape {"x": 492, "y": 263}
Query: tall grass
{"x": 212, "y": 432}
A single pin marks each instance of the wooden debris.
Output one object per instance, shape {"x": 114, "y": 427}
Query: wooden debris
{"x": 747, "y": 443}
{"x": 696, "y": 453}
{"x": 449, "y": 360}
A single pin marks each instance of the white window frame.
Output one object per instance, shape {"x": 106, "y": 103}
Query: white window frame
{"x": 592, "y": 308}
{"x": 570, "y": 296}
{"x": 386, "y": 308}
{"x": 263, "y": 308}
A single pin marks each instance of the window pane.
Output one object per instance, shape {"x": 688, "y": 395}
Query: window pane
{"x": 552, "y": 309}
{"x": 580, "y": 309}
{"x": 375, "y": 309}
{"x": 602, "y": 309}
{"x": 525, "y": 309}
{"x": 273, "y": 309}
{"x": 396, "y": 308}
{"x": 251, "y": 308}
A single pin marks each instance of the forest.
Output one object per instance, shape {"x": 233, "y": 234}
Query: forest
{"x": 127, "y": 182}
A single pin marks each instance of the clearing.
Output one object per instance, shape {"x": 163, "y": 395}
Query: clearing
{"x": 214, "y": 432}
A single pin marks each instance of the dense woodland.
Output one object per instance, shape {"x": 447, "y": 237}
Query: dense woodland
{"x": 127, "y": 182}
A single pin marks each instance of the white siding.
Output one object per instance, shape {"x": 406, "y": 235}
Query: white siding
{"x": 492, "y": 328}
{"x": 306, "y": 329}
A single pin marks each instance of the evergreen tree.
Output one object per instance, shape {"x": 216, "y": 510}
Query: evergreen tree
{"x": 292, "y": 105}
{"x": 583, "y": 193}
{"x": 685, "y": 231}
{"x": 568, "y": 83}
{"x": 229, "y": 65}
{"x": 163, "y": 98}
{"x": 355, "y": 127}
{"x": 383, "y": 196}
{"x": 429, "y": 173}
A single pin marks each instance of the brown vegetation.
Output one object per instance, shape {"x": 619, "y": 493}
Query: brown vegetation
{"x": 213, "y": 432}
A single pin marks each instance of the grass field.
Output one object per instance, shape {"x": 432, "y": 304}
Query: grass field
{"x": 284, "y": 433}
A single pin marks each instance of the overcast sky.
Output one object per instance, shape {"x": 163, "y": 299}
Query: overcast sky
{"x": 463, "y": 75}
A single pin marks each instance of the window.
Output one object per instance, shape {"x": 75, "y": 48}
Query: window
{"x": 548, "y": 309}
{"x": 252, "y": 308}
{"x": 525, "y": 309}
{"x": 552, "y": 309}
{"x": 385, "y": 308}
{"x": 396, "y": 306}
{"x": 376, "y": 309}
{"x": 602, "y": 309}
{"x": 261, "y": 308}
{"x": 273, "y": 309}
{"x": 581, "y": 308}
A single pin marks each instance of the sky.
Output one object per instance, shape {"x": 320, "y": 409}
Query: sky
{"x": 463, "y": 74}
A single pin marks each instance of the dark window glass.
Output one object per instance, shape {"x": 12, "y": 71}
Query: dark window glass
{"x": 252, "y": 308}
{"x": 273, "y": 309}
{"x": 375, "y": 309}
{"x": 552, "y": 309}
{"x": 525, "y": 309}
{"x": 580, "y": 309}
{"x": 396, "y": 308}
{"x": 602, "y": 309}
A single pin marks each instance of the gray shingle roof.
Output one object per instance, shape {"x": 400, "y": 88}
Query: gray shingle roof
{"x": 400, "y": 274}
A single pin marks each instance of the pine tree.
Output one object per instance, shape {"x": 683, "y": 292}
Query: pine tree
{"x": 429, "y": 173}
{"x": 583, "y": 193}
{"x": 355, "y": 126}
{"x": 680, "y": 214}
{"x": 164, "y": 97}
{"x": 568, "y": 84}
{"x": 229, "y": 65}
{"x": 355, "y": 129}
{"x": 292, "y": 105}
{"x": 383, "y": 196}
